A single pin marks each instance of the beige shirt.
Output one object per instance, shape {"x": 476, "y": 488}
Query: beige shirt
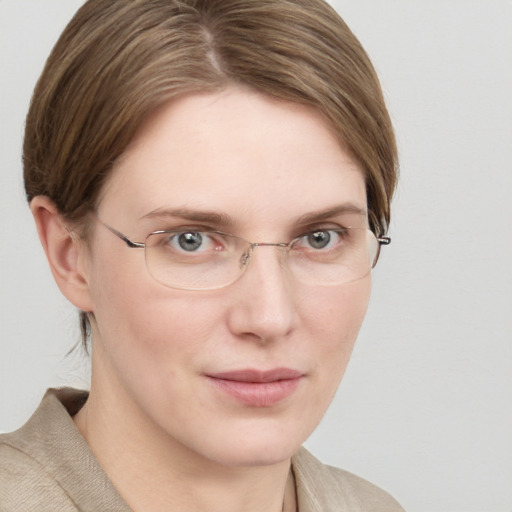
{"x": 47, "y": 466}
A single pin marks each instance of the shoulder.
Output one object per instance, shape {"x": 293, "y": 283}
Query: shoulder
{"x": 24, "y": 483}
{"x": 324, "y": 488}
{"x": 47, "y": 465}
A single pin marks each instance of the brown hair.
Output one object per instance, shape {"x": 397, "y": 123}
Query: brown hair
{"x": 118, "y": 60}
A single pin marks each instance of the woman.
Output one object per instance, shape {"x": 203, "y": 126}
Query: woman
{"x": 211, "y": 183}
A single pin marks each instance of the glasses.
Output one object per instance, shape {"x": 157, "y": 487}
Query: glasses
{"x": 207, "y": 260}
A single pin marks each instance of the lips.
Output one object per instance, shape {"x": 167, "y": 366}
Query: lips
{"x": 256, "y": 388}
{"x": 257, "y": 376}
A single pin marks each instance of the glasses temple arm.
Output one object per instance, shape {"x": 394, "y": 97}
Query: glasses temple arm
{"x": 125, "y": 239}
{"x": 384, "y": 240}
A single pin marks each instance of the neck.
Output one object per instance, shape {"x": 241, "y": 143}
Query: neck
{"x": 153, "y": 472}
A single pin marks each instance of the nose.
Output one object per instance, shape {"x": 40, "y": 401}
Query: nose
{"x": 265, "y": 303}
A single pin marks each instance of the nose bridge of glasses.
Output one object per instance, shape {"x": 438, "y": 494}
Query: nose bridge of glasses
{"x": 244, "y": 260}
{"x": 269, "y": 244}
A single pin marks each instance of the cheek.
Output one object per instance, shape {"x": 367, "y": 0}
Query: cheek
{"x": 139, "y": 321}
{"x": 336, "y": 318}
{"x": 339, "y": 311}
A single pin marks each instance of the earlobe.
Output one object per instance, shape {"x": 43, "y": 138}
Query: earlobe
{"x": 65, "y": 252}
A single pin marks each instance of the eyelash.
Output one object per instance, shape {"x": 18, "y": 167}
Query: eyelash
{"x": 187, "y": 229}
{"x": 207, "y": 229}
{"x": 315, "y": 229}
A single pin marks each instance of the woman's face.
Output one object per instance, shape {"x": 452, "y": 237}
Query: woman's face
{"x": 189, "y": 365}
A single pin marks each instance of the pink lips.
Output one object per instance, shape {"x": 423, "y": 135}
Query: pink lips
{"x": 258, "y": 388}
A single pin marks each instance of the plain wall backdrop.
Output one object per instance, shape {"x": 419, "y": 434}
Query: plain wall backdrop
{"x": 425, "y": 409}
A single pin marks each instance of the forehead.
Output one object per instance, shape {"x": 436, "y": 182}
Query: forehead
{"x": 238, "y": 152}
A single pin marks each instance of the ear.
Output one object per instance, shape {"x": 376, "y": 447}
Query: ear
{"x": 67, "y": 255}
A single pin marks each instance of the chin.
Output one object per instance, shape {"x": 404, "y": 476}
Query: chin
{"x": 264, "y": 446}
{"x": 254, "y": 456}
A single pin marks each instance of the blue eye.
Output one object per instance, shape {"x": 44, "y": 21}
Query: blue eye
{"x": 319, "y": 239}
{"x": 193, "y": 242}
{"x": 190, "y": 241}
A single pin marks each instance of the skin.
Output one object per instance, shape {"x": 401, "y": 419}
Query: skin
{"x": 167, "y": 437}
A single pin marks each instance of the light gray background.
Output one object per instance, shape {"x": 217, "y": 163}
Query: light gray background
{"x": 425, "y": 409}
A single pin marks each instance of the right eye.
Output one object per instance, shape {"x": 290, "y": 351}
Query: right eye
{"x": 189, "y": 241}
{"x": 192, "y": 241}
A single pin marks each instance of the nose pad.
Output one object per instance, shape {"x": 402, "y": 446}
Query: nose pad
{"x": 244, "y": 259}
{"x": 246, "y": 256}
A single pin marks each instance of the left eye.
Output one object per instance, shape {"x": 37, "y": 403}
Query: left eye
{"x": 322, "y": 239}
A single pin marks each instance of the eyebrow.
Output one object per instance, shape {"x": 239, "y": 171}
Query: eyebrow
{"x": 217, "y": 218}
{"x": 342, "y": 209}
{"x": 224, "y": 220}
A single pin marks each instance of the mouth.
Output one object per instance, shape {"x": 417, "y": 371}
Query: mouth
{"x": 257, "y": 388}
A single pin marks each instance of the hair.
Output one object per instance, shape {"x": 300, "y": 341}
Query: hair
{"x": 118, "y": 60}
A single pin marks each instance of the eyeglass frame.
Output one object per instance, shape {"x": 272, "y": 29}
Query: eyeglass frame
{"x": 381, "y": 240}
